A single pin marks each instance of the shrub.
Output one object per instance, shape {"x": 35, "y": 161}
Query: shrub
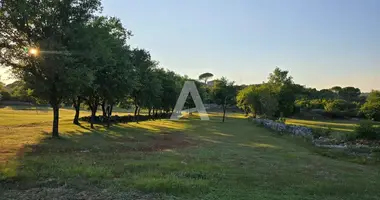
{"x": 338, "y": 105}
{"x": 316, "y": 104}
{"x": 371, "y": 110}
{"x": 366, "y": 130}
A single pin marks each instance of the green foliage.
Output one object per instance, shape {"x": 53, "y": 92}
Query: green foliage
{"x": 371, "y": 108}
{"x": 259, "y": 100}
{"x": 349, "y": 93}
{"x": 248, "y": 99}
{"x": 171, "y": 84}
{"x": 338, "y": 105}
{"x": 366, "y": 130}
{"x": 223, "y": 93}
{"x": 50, "y": 26}
{"x": 205, "y": 76}
{"x": 280, "y": 78}
{"x": 285, "y": 91}
{"x": 269, "y": 101}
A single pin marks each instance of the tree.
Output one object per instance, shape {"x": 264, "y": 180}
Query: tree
{"x": 337, "y": 90}
{"x": 269, "y": 101}
{"x": 4, "y": 92}
{"x": 205, "y": 76}
{"x": 327, "y": 94}
{"x": 19, "y": 91}
{"x": 47, "y": 25}
{"x": 350, "y": 93}
{"x": 144, "y": 67}
{"x": 151, "y": 97}
{"x": 259, "y": 99}
{"x": 171, "y": 87}
{"x": 248, "y": 99}
{"x": 280, "y": 77}
{"x": 282, "y": 85}
{"x": 371, "y": 108}
{"x": 337, "y": 105}
{"x": 109, "y": 60}
{"x": 223, "y": 93}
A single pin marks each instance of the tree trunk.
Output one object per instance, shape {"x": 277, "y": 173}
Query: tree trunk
{"x": 224, "y": 112}
{"x": 224, "y": 108}
{"x": 76, "y": 104}
{"x": 55, "y": 133}
{"x": 109, "y": 113}
{"x": 136, "y": 108}
{"x": 104, "y": 109}
{"x": 138, "y": 111}
{"x": 94, "y": 108}
{"x": 149, "y": 113}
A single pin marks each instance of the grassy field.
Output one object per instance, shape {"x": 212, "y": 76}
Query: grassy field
{"x": 186, "y": 159}
{"x": 334, "y": 125}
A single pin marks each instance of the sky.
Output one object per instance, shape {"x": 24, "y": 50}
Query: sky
{"x": 322, "y": 43}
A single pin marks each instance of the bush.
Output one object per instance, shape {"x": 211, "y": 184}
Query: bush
{"x": 338, "y": 105}
{"x": 366, "y": 130}
{"x": 371, "y": 110}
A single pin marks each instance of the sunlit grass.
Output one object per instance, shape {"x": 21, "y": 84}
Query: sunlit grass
{"x": 341, "y": 125}
{"x": 254, "y": 145}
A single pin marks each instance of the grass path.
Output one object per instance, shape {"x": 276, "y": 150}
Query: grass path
{"x": 186, "y": 159}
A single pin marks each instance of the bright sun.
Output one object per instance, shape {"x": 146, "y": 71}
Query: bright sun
{"x": 34, "y": 51}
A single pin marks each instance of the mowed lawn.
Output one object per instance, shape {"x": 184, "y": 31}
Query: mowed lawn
{"x": 163, "y": 159}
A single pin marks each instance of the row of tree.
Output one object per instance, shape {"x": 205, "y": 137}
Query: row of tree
{"x": 63, "y": 52}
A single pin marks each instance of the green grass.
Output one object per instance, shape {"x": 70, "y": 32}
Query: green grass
{"x": 162, "y": 159}
{"x": 335, "y": 125}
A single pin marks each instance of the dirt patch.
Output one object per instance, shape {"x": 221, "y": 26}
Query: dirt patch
{"x": 154, "y": 142}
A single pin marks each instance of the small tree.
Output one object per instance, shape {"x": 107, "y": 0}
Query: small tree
{"x": 269, "y": 101}
{"x": 248, "y": 99}
{"x": 223, "y": 93}
{"x": 205, "y": 77}
{"x": 371, "y": 108}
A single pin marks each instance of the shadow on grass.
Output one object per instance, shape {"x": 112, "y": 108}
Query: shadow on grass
{"x": 176, "y": 157}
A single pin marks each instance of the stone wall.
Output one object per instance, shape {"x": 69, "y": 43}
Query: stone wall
{"x": 284, "y": 128}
